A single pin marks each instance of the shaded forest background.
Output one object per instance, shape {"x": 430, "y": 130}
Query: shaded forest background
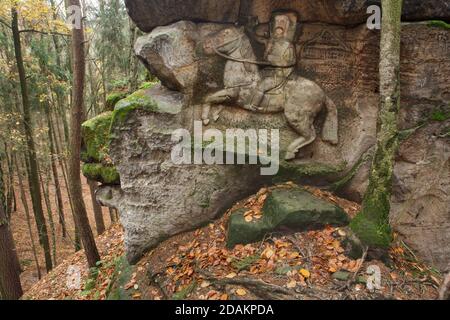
{"x": 36, "y": 99}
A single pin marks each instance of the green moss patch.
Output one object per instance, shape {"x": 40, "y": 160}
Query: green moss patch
{"x": 95, "y": 134}
{"x": 148, "y": 85}
{"x": 439, "y": 24}
{"x": 440, "y": 115}
{"x": 113, "y": 98}
{"x": 146, "y": 100}
{"x": 290, "y": 170}
{"x": 101, "y": 173}
{"x": 138, "y": 100}
{"x": 373, "y": 233}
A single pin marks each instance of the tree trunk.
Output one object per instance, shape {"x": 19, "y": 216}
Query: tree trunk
{"x": 133, "y": 67}
{"x": 372, "y": 224}
{"x": 31, "y": 151}
{"x": 45, "y": 191}
{"x": 112, "y": 215}
{"x": 10, "y": 286}
{"x": 81, "y": 218}
{"x": 63, "y": 166}
{"x": 27, "y": 214}
{"x": 98, "y": 213}
{"x": 59, "y": 201}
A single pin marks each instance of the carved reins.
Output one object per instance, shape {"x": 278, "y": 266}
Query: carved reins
{"x": 225, "y": 56}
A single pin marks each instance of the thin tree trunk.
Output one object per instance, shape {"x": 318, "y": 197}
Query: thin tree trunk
{"x": 59, "y": 202}
{"x": 11, "y": 195}
{"x": 45, "y": 191}
{"x": 63, "y": 166}
{"x": 98, "y": 213}
{"x": 112, "y": 215}
{"x": 10, "y": 286}
{"x": 27, "y": 214}
{"x": 372, "y": 224}
{"x": 133, "y": 67}
{"x": 79, "y": 65}
{"x": 33, "y": 167}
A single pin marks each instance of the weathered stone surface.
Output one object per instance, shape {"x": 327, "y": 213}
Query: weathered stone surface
{"x": 290, "y": 209}
{"x": 420, "y": 210}
{"x": 157, "y": 198}
{"x": 160, "y": 52}
{"x": 149, "y": 14}
{"x": 343, "y": 61}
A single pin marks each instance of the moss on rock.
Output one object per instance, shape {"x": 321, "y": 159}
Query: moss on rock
{"x": 137, "y": 100}
{"x": 290, "y": 169}
{"x": 142, "y": 100}
{"x": 113, "y": 98}
{"x": 377, "y": 234}
{"x": 439, "y": 24}
{"x": 295, "y": 209}
{"x": 95, "y": 134}
{"x": 101, "y": 173}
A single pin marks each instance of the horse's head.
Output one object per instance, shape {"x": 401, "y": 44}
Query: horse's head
{"x": 224, "y": 41}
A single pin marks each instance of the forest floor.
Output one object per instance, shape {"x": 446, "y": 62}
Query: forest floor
{"x": 64, "y": 246}
{"x": 197, "y": 265}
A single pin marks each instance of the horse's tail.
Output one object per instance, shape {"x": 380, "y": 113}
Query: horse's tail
{"x": 330, "y": 127}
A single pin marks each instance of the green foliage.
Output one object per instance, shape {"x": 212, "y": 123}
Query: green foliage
{"x": 440, "y": 115}
{"x": 121, "y": 276}
{"x": 185, "y": 292}
{"x": 111, "y": 41}
{"x": 91, "y": 282}
{"x": 245, "y": 263}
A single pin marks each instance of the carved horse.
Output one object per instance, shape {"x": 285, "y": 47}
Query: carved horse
{"x": 300, "y": 99}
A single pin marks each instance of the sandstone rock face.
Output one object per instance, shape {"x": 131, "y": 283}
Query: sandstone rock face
{"x": 158, "y": 199}
{"x": 149, "y": 14}
{"x": 420, "y": 210}
{"x": 160, "y": 52}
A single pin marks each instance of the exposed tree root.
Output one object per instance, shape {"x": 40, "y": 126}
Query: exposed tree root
{"x": 262, "y": 289}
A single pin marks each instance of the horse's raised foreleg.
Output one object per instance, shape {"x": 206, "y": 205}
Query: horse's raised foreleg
{"x": 223, "y": 96}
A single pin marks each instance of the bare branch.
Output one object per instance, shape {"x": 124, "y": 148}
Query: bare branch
{"x": 46, "y": 32}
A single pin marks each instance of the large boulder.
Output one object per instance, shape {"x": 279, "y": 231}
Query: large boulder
{"x": 285, "y": 209}
{"x": 158, "y": 199}
{"x": 149, "y": 14}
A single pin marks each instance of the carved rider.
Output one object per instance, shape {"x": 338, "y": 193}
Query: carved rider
{"x": 279, "y": 57}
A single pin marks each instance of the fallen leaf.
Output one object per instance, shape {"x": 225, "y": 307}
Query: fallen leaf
{"x": 231, "y": 275}
{"x": 241, "y": 292}
{"x": 292, "y": 284}
{"x": 305, "y": 273}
